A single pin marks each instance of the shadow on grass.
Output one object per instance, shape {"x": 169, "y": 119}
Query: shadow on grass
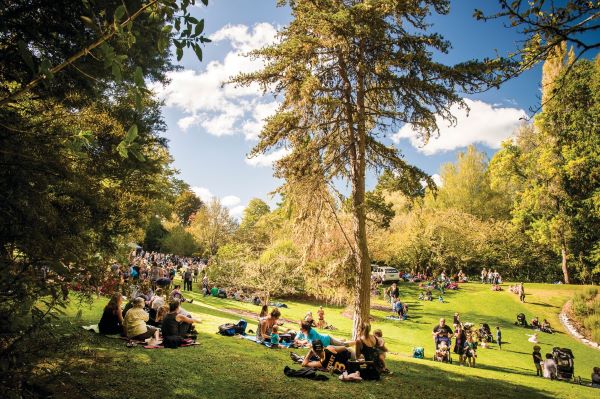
{"x": 234, "y": 368}
{"x": 545, "y": 305}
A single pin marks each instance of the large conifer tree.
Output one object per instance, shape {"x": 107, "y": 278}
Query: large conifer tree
{"x": 349, "y": 71}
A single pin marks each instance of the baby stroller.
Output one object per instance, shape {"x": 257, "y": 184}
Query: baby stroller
{"x": 564, "y": 363}
{"x": 521, "y": 321}
{"x": 486, "y": 333}
{"x": 442, "y": 350}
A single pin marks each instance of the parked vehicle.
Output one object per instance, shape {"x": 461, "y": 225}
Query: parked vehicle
{"x": 385, "y": 273}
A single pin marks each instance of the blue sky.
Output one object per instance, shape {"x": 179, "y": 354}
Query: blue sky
{"x": 211, "y": 129}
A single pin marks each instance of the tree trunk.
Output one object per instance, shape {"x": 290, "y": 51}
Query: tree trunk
{"x": 563, "y": 252}
{"x": 362, "y": 286}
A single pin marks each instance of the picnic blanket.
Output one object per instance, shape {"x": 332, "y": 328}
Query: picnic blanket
{"x": 267, "y": 344}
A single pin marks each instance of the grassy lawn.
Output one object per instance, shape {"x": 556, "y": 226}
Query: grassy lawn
{"x": 223, "y": 367}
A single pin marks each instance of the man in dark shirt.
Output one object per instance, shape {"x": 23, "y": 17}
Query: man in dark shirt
{"x": 441, "y": 331}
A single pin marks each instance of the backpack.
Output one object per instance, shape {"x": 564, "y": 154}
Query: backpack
{"x": 230, "y": 329}
{"x": 419, "y": 353}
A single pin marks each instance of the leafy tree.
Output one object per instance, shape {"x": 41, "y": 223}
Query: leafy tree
{"x": 83, "y": 162}
{"x": 572, "y": 118}
{"x": 466, "y": 186}
{"x": 255, "y": 209}
{"x": 348, "y": 72}
{"x": 186, "y": 205}
{"x": 179, "y": 242}
{"x": 212, "y": 226}
{"x": 551, "y": 167}
{"x": 229, "y": 266}
{"x": 277, "y": 270}
{"x": 547, "y": 27}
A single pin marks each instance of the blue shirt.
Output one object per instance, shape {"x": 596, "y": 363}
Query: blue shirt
{"x": 314, "y": 335}
{"x": 274, "y": 339}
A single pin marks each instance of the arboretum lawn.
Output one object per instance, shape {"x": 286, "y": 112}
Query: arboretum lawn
{"x": 226, "y": 367}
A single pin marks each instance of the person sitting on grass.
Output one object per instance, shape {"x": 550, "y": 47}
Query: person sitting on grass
{"x": 160, "y": 315}
{"x": 176, "y": 294}
{"x": 326, "y": 357}
{"x": 382, "y": 349}
{"x": 545, "y": 327}
{"x": 112, "y": 317}
{"x": 309, "y": 319}
{"x": 135, "y": 323}
{"x": 177, "y": 325}
{"x": 535, "y": 323}
{"x": 275, "y": 339}
{"x": 596, "y": 377}
{"x": 265, "y": 326}
{"x": 366, "y": 346}
{"x": 549, "y": 367}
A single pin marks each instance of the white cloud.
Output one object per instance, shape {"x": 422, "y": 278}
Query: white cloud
{"x": 203, "y": 193}
{"x": 484, "y": 124}
{"x": 437, "y": 179}
{"x": 223, "y": 110}
{"x": 230, "y": 200}
{"x": 185, "y": 123}
{"x": 267, "y": 159}
{"x": 237, "y": 211}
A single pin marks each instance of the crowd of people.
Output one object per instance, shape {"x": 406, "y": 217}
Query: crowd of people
{"x": 152, "y": 313}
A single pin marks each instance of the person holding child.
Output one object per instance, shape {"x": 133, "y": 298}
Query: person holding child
{"x": 265, "y": 326}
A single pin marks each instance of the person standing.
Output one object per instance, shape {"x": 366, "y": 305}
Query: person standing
{"x": 483, "y": 275}
{"x": 522, "y": 292}
{"x": 499, "y": 337}
{"x": 187, "y": 280}
{"x": 205, "y": 289}
{"x": 394, "y": 293}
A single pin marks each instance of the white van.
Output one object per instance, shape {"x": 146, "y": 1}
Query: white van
{"x": 385, "y": 273}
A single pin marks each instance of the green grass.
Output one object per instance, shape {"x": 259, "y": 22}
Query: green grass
{"x": 586, "y": 309}
{"x": 223, "y": 367}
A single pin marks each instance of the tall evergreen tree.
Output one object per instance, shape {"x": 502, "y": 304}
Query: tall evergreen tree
{"x": 349, "y": 71}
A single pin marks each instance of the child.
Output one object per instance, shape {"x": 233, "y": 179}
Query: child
{"x": 549, "y": 367}
{"x": 309, "y": 319}
{"x": 532, "y": 338}
{"x": 471, "y": 349}
{"x": 596, "y": 377}
{"x": 397, "y": 307}
{"x": 321, "y": 313}
{"x": 380, "y": 344}
{"x": 499, "y": 337}
{"x": 537, "y": 360}
{"x": 441, "y": 353}
{"x": 275, "y": 337}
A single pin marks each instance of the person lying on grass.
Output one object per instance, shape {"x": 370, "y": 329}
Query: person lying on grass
{"x": 326, "y": 358}
{"x": 312, "y": 335}
{"x": 135, "y": 323}
{"x": 177, "y": 324}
